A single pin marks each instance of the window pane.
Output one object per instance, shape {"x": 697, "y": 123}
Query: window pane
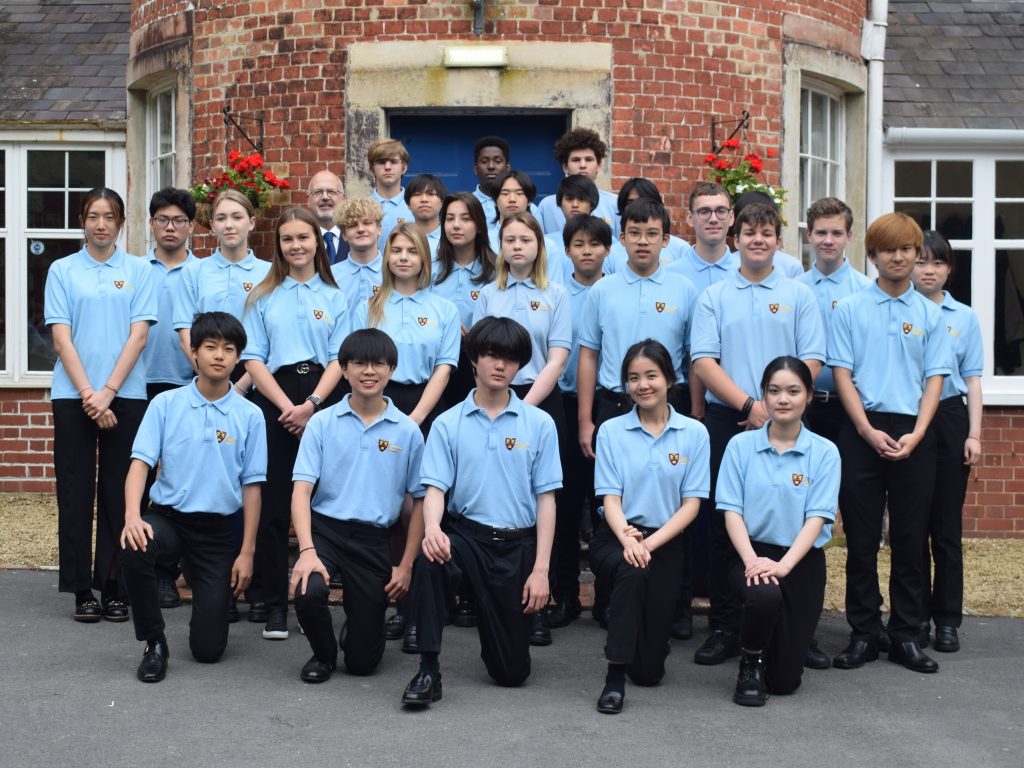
{"x": 1009, "y": 178}
{"x": 953, "y": 220}
{"x": 819, "y": 124}
{"x": 819, "y": 173}
{"x": 3, "y": 209}
{"x": 165, "y": 128}
{"x": 805, "y": 121}
{"x": 3, "y": 303}
{"x": 86, "y": 169}
{"x": 919, "y": 212}
{"x": 1008, "y": 334}
{"x": 1009, "y": 221}
{"x": 45, "y": 169}
{"x": 41, "y": 254}
{"x": 834, "y": 128}
{"x": 3, "y": 194}
{"x": 913, "y": 179}
{"x": 74, "y": 206}
{"x": 805, "y": 202}
{"x": 45, "y": 210}
{"x": 959, "y": 284}
{"x": 166, "y": 172}
{"x": 954, "y": 179}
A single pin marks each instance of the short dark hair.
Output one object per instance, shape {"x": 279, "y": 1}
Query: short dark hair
{"x": 425, "y": 182}
{"x": 938, "y": 247}
{"x": 491, "y": 141}
{"x": 758, "y": 215}
{"x": 588, "y": 225}
{"x": 218, "y": 326}
{"x": 787, "y": 363}
{"x": 707, "y": 189}
{"x": 643, "y": 209}
{"x": 578, "y": 187}
{"x": 169, "y": 196}
{"x": 653, "y": 350}
{"x": 102, "y": 193}
{"x": 529, "y": 188}
{"x": 369, "y": 345}
{"x": 500, "y": 337}
{"x": 579, "y": 138}
{"x": 829, "y": 206}
{"x": 761, "y": 199}
{"x": 643, "y": 188}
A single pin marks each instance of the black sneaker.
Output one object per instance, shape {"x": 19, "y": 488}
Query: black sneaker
{"x": 257, "y": 612}
{"x": 114, "y": 610}
{"x": 394, "y": 627}
{"x": 233, "y": 616}
{"x": 168, "y": 593}
{"x": 277, "y": 624}
{"x": 717, "y": 648}
{"x": 540, "y": 633}
{"x": 465, "y": 614}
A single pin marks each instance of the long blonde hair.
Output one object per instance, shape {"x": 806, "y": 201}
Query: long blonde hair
{"x": 379, "y": 300}
{"x": 279, "y": 267}
{"x": 540, "y": 265}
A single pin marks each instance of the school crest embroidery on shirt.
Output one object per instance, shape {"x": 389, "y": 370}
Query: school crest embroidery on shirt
{"x": 247, "y": 287}
{"x": 376, "y": 288}
{"x": 834, "y": 302}
{"x": 673, "y": 459}
{"x": 510, "y": 443}
{"x": 318, "y": 313}
{"x": 119, "y": 283}
{"x": 953, "y": 331}
{"x": 400, "y": 220}
{"x": 534, "y": 305}
{"x": 773, "y": 308}
{"x": 474, "y": 294}
{"x": 382, "y": 445}
{"x": 421, "y": 320}
{"x": 799, "y": 479}
{"x": 907, "y": 327}
{"x": 660, "y": 306}
{"x": 221, "y": 434}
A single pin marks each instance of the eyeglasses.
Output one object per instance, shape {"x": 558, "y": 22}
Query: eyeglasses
{"x": 705, "y": 213}
{"x": 376, "y": 365}
{"x": 178, "y": 222}
{"x": 325, "y": 193}
{"x": 651, "y": 235}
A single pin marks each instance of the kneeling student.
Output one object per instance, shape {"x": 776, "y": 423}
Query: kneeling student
{"x": 211, "y": 444}
{"x": 497, "y": 458}
{"x": 362, "y": 456}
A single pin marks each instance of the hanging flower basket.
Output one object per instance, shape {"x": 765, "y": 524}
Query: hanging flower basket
{"x": 740, "y": 173}
{"x": 245, "y": 173}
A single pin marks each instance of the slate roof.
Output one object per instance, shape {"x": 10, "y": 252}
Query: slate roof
{"x": 955, "y": 64}
{"x": 63, "y": 60}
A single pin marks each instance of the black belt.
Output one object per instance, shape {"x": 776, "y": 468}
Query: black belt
{"x": 492, "y": 534}
{"x": 619, "y": 398}
{"x": 308, "y": 366}
{"x": 955, "y": 400}
{"x": 643, "y": 529}
{"x": 821, "y": 396}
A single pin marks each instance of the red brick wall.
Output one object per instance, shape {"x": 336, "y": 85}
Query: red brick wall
{"x": 995, "y": 491}
{"x": 26, "y": 441}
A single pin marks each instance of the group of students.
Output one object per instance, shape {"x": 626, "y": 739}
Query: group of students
{"x": 434, "y": 408}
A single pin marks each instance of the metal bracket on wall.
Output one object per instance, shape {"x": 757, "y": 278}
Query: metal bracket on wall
{"x": 232, "y": 118}
{"x": 742, "y": 124}
{"x": 478, "y": 16}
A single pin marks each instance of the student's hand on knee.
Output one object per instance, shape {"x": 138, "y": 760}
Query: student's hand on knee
{"x": 136, "y": 534}
{"x": 436, "y": 546}
{"x": 241, "y": 574}
{"x": 536, "y": 592}
{"x": 307, "y": 564}
{"x": 632, "y": 532}
{"x": 636, "y": 554}
{"x": 764, "y": 570}
{"x": 398, "y": 586}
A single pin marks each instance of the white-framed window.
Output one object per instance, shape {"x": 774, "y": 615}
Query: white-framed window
{"x": 161, "y": 151}
{"x": 822, "y": 149}
{"x": 43, "y": 186}
{"x": 975, "y": 198}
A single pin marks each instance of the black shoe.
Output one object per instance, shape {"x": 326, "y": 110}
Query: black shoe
{"x": 411, "y": 643}
{"x": 564, "y": 613}
{"x": 910, "y": 656}
{"x": 233, "y": 616}
{"x": 682, "y": 629}
{"x": 946, "y": 640}
{"x": 610, "y": 702}
{"x": 423, "y": 689}
{"x": 717, "y": 648}
{"x": 114, "y": 610}
{"x": 168, "y": 593}
{"x": 924, "y": 634}
{"x": 153, "y": 666}
{"x": 857, "y": 654}
{"x": 394, "y": 627}
{"x": 815, "y": 658}
{"x": 316, "y": 671}
{"x": 88, "y": 611}
{"x": 257, "y": 612}
{"x": 465, "y": 614}
{"x": 540, "y": 633}
{"x": 277, "y": 624}
{"x": 751, "y": 688}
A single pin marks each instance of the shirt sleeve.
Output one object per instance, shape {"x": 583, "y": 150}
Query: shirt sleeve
{"x": 973, "y": 361}
{"x": 729, "y": 491}
{"x": 607, "y": 479}
{"x": 309, "y": 460}
{"x": 840, "y": 337}
{"x": 57, "y": 308}
{"x": 341, "y": 326}
{"x": 438, "y": 465}
{"x": 185, "y": 297}
{"x": 254, "y": 452}
{"x": 546, "y": 474}
{"x": 938, "y": 350}
{"x": 257, "y": 345}
{"x": 480, "y": 305}
{"x": 696, "y": 483}
{"x": 150, "y": 436}
{"x": 810, "y": 331}
{"x": 144, "y": 298}
{"x": 560, "y": 331}
{"x": 590, "y": 325}
{"x": 413, "y": 484}
{"x": 823, "y": 495}
{"x": 705, "y": 333}
{"x": 451, "y": 335}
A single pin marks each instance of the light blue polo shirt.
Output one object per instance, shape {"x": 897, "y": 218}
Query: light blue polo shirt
{"x": 701, "y": 273}
{"x": 788, "y": 265}
{"x": 99, "y": 301}
{"x": 676, "y": 249}
{"x": 424, "y": 327}
{"x": 297, "y": 322}
{"x": 545, "y": 314}
{"x": 491, "y": 210}
{"x": 494, "y": 469}
{"x": 968, "y": 348}
{"x": 746, "y": 325}
{"x": 358, "y": 281}
{"x": 553, "y": 250}
{"x": 625, "y": 308}
{"x": 651, "y": 474}
{"x": 207, "y": 450}
{"x": 216, "y": 284}
{"x": 891, "y": 345}
{"x": 829, "y": 290}
{"x": 577, "y": 303}
{"x": 776, "y": 493}
{"x": 363, "y": 472}
{"x": 433, "y": 240}
{"x": 395, "y": 212}
{"x": 552, "y": 220}
{"x": 459, "y": 287}
{"x": 165, "y": 362}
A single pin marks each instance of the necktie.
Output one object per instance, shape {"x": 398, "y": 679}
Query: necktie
{"x": 332, "y": 252}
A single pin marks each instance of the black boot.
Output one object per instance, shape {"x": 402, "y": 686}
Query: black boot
{"x": 751, "y": 689}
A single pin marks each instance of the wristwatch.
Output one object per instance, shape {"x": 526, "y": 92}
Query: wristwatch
{"x": 315, "y": 400}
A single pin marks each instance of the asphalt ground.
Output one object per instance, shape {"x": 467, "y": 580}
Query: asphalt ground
{"x": 70, "y": 698}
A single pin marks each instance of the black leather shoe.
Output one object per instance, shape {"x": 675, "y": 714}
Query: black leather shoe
{"x": 114, "y": 610}
{"x": 540, "y": 633}
{"x": 564, "y": 613}
{"x": 946, "y": 640}
{"x": 316, "y": 671}
{"x": 682, "y": 629}
{"x": 857, "y": 654}
{"x": 168, "y": 593}
{"x": 233, "y": 616}
{"x": 153, "y": 666}
{"x": 394, "y": 627}
{"x": 717, "y": 648}
{"x": 924, "y": 634}
{"x": 411, "y": 643}
{"x": 423, "y": 689}
{"x": 257, "y": 613}
{"x": 751, "y": 686}
{"x": 910, "y": 656}
{"x": 815, "y": 658}
{"x": 88, "y": 611}
{"x": 465, "y": 614}
{"x": 610, "y": 702}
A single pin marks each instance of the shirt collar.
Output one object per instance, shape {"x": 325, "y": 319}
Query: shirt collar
{"x": 354, "y": 266}
{"x": 515, "y": 405}
{"x": 528, "y": 282}
{"x": 344, "y": 408}
{"x": 803, "y": 440}
{"x": 838, "y": 276}
{"x": 771, "y": 282}
{"x": 313, "y": 283}
{"x": 948, "y": 302}
{"x": 881, "y": 296}
{"x": 398, "y": 199}
{"x": 397, "y": 298}
{"x": 633, "y": 277}
{"x": 196, "y": 399}
{"x": 725, "y": 263}
{"x": 154, "y": 260}
{"x": 247, "y": 263}
{"x": 116, "y": 259}
{"x": 675, "y": 420}
{"x": 574, "y": 287}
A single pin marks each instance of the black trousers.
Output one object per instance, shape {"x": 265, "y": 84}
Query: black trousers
{"x": 826, "y": 417}
{"x": 868, "y": 484}
{"x": 780, "y": 619}
{"x": 75, "y": 441}
{"x": 945, "y": 605}
{"x": 722, "y": 424}
{"x": 459, "y": 383}
{"x": 358, "y": 552}
{"x": 496, "y": 572}
{"x": 208, "y": 545}
{"x": 642, "y": 605}
{"x": 577, "y": 492}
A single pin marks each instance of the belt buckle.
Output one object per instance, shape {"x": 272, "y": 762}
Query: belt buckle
{"x": 302, "y": 368}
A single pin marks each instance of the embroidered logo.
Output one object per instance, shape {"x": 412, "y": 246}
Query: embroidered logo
{"x": 534, "y": 305}
{"x": 421, "y": 320}
{"x": 247, "y": 287}
{"x": 673, "y": 459}
{"x": 119, "y": 283}
{"x": 510, "y": 443}
{"x": 953, "y": 331}
{"x": 376, "y": 289}
{"x": 834, "y": 302}
{"x": 773, "y": 308}
{"x": 221, "y": 434}
{"x": 400, "y": 220}
{"x": 907, "y": 328}
{"x": 382, "y": 445}
{"x": 660, "y": 306}
{"x": 318, "y": 313}
{"x": 474, "y": 295}
{"x": 799, "y": 479}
